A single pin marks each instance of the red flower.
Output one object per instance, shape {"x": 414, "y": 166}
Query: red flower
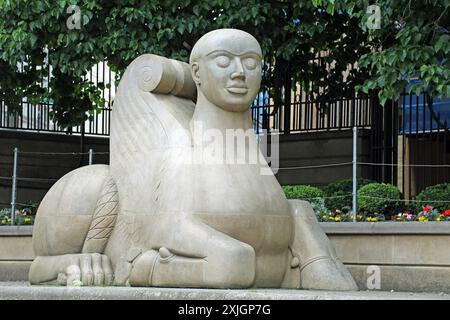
{"x": 426, "y": 209}
{"x": 446, "y": 213}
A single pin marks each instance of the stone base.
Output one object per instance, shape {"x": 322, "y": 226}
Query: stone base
{"x": 23, "y": 291}
{"x": 14, "y": 270}
{"x": 405, "y": 278}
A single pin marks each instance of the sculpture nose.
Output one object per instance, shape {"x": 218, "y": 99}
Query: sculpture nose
{"x": 239, "y": 70}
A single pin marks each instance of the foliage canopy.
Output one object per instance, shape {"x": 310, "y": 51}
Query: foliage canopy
{"x": 413, "y": 41}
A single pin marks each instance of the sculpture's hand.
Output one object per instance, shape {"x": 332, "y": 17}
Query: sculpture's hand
{"x": 90, "y": 269}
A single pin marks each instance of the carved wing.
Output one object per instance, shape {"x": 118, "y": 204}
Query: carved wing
{"x": 150, "y": 117}
{"x": 153, "y": 102}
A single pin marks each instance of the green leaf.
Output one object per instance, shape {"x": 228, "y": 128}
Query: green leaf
{"x": 383, "y": 100}
{"x": 190, "y": 27}
{"x": 423, "y": 69}
{"x": 33, "y": 40}
{"x": 181, "y": 28}
{"x": 441, "y": 42}
{"x": 402, "y": 55}
{"x": 391, "y": 59}
{"x": 196, "y": 10}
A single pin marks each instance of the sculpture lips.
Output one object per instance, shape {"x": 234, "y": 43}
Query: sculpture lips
{"x": 241, "y": 90}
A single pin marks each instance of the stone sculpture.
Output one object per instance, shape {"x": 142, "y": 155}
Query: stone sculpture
{"x": 151, "y": 218}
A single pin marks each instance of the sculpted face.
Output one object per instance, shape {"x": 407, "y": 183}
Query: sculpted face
{"x": 226, "y": 67}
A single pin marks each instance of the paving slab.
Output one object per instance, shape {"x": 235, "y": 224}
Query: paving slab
{"x": 24, "y": 291}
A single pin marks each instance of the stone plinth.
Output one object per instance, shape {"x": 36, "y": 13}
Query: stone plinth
{"x": 22, "y": 290}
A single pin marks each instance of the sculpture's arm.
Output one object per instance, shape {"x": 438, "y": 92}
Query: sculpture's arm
{"x": 196, "y": 256}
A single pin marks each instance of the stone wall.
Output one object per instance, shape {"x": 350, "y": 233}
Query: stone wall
{"x": 410, "y": 256}
{"x": 317, "y": 148}
{"x": 16, "y": 252}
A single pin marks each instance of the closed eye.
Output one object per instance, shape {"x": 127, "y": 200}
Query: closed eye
{"x": 223, "y": 61}
{"x": 250, "y": 63}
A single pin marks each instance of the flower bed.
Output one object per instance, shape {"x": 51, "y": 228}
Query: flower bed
{"x": 376, "y": 202}
{"x": 428, "y": 213}
{"x": 24, "y": 216}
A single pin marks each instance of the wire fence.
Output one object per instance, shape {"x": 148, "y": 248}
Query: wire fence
{"x": 366, "y": 164}
{"x": 15, "y": 178}
{"x": 378, "y": 198}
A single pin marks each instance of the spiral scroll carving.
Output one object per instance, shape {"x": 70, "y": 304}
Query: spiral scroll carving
{"x": 165, "y": 76}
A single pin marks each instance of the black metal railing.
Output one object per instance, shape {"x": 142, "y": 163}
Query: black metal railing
{"x": 37, "y": 117}
{"x": 306, "y": 116}
{"x": 313, "y": 115}
{"x": 287, "y": 103}
{"x": 33, "y": 117}
{"x": 425, "y": 136}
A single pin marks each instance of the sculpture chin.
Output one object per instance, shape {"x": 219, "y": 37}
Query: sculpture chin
{"x": 236, "y": 107}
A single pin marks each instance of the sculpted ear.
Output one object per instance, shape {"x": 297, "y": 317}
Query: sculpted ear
{"x": 195, "y": 73}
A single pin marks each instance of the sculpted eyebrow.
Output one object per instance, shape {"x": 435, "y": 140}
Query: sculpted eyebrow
{"x": 248, "y": 53}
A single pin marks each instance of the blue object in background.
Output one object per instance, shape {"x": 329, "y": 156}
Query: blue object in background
{"x": 419, "y": 110}
{"x": 417, "y": 116}
{"x": 260, "y": 107}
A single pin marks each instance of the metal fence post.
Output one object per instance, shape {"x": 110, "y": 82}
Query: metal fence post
{"x": 14, "y": 186}
{"x": 355, "y": 182}
{"x": 91, "y": 156}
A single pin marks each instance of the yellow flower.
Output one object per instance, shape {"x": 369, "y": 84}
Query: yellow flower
{"x": 421, "y": 218}
{"x": 438, "y": 219}
{"x": 337, "y": 218}
{"x": 27, "y": 219}
{"x": 375, "y": 219}
{"x": 426, "y": 220}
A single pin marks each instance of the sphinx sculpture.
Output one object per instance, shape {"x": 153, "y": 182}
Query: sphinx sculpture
{"x": 151, "y": 218}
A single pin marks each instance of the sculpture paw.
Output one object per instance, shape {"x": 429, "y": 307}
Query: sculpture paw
{"x": 91, "y": 269}
{"x": 327, "y": 274}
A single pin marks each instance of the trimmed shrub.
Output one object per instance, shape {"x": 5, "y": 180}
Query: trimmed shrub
{"x": 380, "y": 198}
{"x": 342, "y": 190}
{"x": 304, "y": 192}
{"x": 439, "y": 192}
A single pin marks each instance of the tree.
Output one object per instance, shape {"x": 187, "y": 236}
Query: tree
{"x": 411, "y": 41}
{"x": 117, "y": 31}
